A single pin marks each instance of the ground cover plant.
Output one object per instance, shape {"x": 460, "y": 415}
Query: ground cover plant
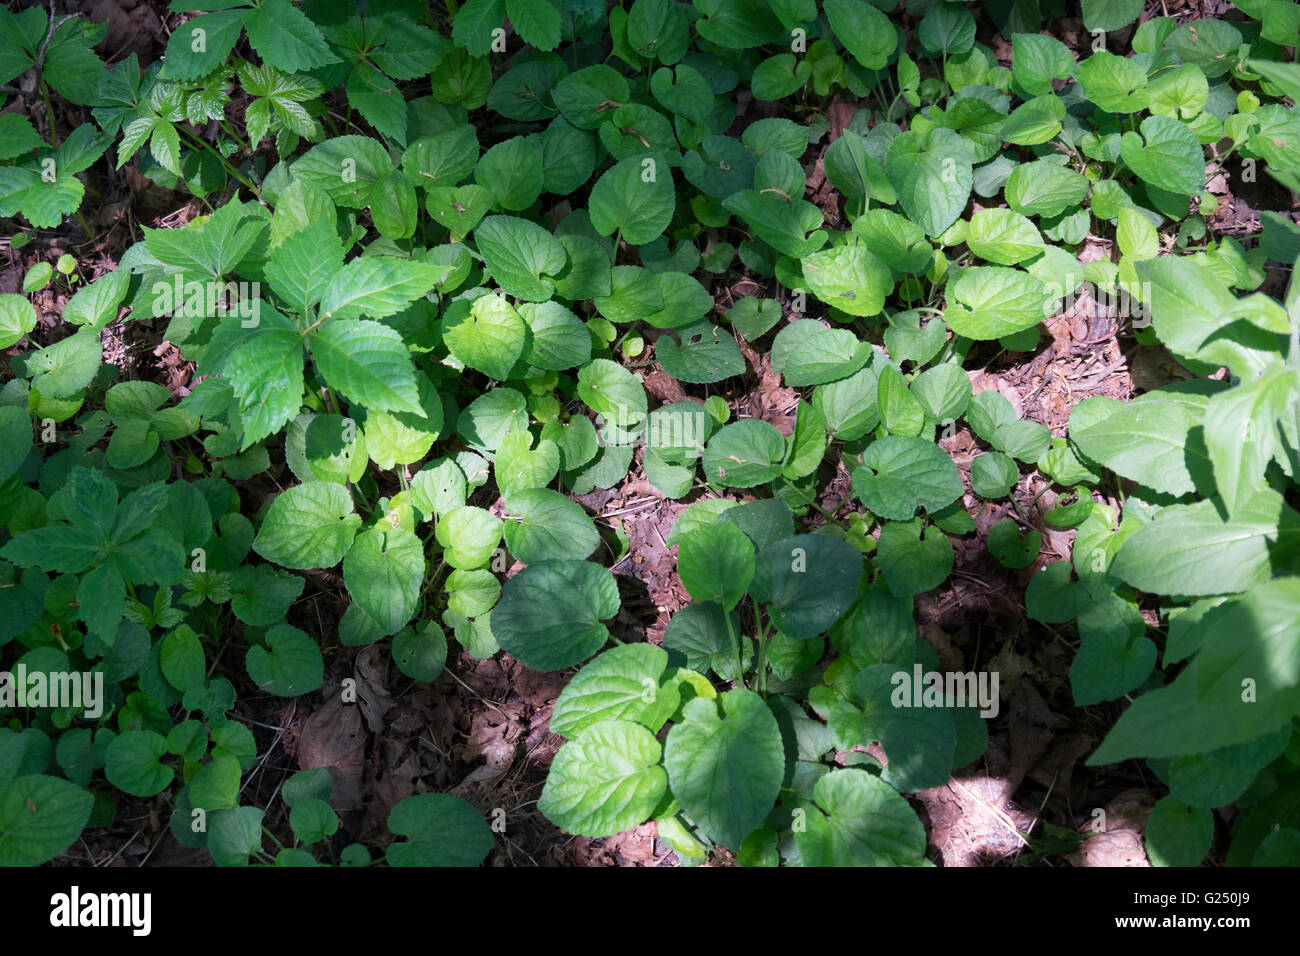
{"x": 453, "y": 278}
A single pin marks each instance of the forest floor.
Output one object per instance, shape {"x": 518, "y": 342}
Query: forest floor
{"x": 481, "y": 730}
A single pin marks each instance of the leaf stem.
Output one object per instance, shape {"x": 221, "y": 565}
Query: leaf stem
{"x": 735, "y": 643}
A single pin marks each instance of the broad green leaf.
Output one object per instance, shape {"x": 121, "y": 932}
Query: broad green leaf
{"x": 898, "y": 475}
{"x": 621, "y": 684}
{"x": 131, "y": 763}
{"x": 17, "y": 318}
{"x": 932, "y": 175}
{"x": 808, "y": 581}
{"x": 40, "y": 817}
{"x": 309, "y": 526}
{"x": 988, "y": 302}
{"x": 285, "y": 38}
{"x": 606, "y": 780}
{"x": 864, "y": 30}
{"x": 290, "y": 665}
{"x": 469, "y": 535}
{"x": 805, "y": 352}
{"x": 725, "y": 764}
{"x": 1003, "y": 236}
{"x": 1241, "y": 432}
{"x": 1044, "y": 188}
{"x": 1147, "y": 441}
{"x": 550, "y": 614}
{"x": 1191, "y": 550}
{"x": 442, "y": 830}
{"x": 849, "y": 278}
{"x": 544, "y": 525}
{"x": 384, "y": 571}
{"x": 1178, "y": 835}
{"x": 376, "y": 286}
{"x": 635, "y": 199}
{"x": 716, "y": 563}
{"x": 860, "y": 821}
{"x": 1167, "y": 155}
{"x": 520, "y": 254}
{"x": 744, "y": 454}
{"x": 488, "y": 336}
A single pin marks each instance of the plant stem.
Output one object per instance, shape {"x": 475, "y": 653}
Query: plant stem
{"x": 234, "y": 173}
{"x": 735, "y": 643}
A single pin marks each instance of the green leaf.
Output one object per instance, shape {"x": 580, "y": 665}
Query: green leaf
{"x": 1115, "y": 83}
{"x": 519, "y": 253}
{"x": 621, "y": 684}
{"x": 376, "y": 286}
{"x": 1148, "y": 441}
{"x": 860, "y": 821}
{"x": 550, "y": 614}
{"x": 512, "y": 172}
{"x": 234, "y": 835}
{"x": 17, "y": 318}
{"x": 367, "y": 362}
{"x": 988, "y": 302}
{"x": 1167, "y": 155}
{"x": 716, "y": 563}
{"x": 1191, "y": 550}
{"x": 901, "y": 474}
{"x": 805, "y": 352}
{"x": 932, "y": 174}
{"x": 613, "y": 392}
{"x": 182, "y": 659}
{"x": 808, "y": 581}
{"x": 744, "y": 454}
{"x": 864, "y": 30}
{"x": 547, "y": 526}
{"x": 634, "y": 198}
{"x": 289, "y": 666}
{"x": 443, "y": 831}
{"x": 284, "y": 37}
{"x": 488, "y": 336}
{"x": 783, "y": 224}
{"x": 40, "y": 817}
{"x": 606, "y": 780}
{"x": 1110, "y": 14}
{"x": 1003, "y": 236}
{"x": 384, "y": 571}
{"x": 469, "y": 535}
{"x": 1044, "y": 188}
{"x": 1035, "y": 122}
{"x": 15, "y": 439}
{"x": 1241, "y": 432}
{"x": 309, "y": 526}
{"x": 1038, "y": 59}
{"x": 131, "y": 763}
{"x": 849, "y": 278}
{"x": 706, "y": 354}
{"x": 1178, "y": 835}
{"x": 421, "y": 653}
{"x": 912, "y": 561}
{"x": 900, "y": 412}
{"x": 726, "y": 769}
{"x": 216, "y": 785}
